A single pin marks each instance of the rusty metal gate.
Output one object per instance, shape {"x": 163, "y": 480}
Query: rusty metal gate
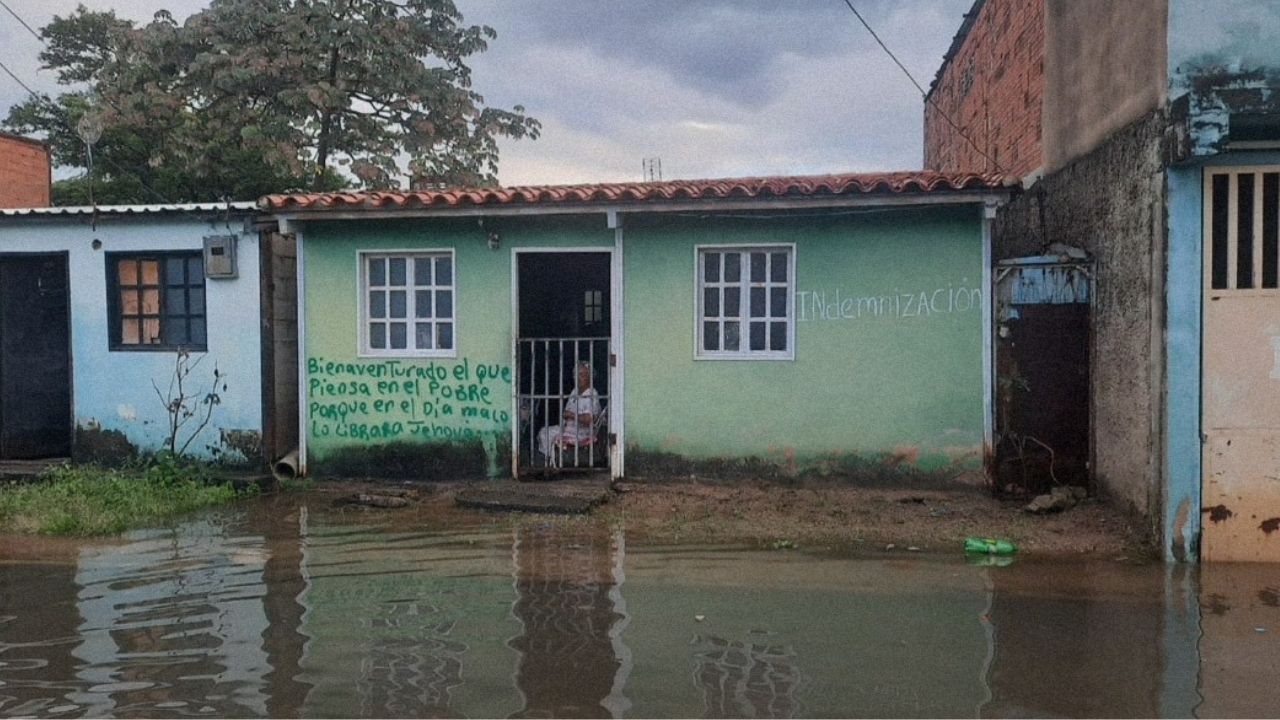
{"x": 1042, "y": 372}
{"x": 1240, "y": 388}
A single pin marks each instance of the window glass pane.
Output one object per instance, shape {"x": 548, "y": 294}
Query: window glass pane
{"x": 757, "y": 335}
{"x": 778, "y": 267}
{"x": 129, "y": 304}
{"x": 195, "y": 298}
{"x": 129, "y": 334}
{"x": 778, "y": 302}
{"x": 422, "y": 303}
{"x": 757, "y": 267}
{"x": 399, "y": 303}
{"x": 423, "y": 336}
{"x": 732, "y": 267}
{"x": 711, "y": 267}
{"x": 175, "y": 272}
{"x": 711, "y": 302}
{"x": 377, "y": 336}
{"x": 377, "y": 303}
{"x": 397, "y": 271}
{"x": 399, "y": 336}
{"x": 444, "y": 303}
{"x": 757, "y": 302}
{"x": 1244, "y": 231}
{"x": 197, "y": 331}
{"x": 732, "y": 302}
{"x": 777, "y": 336}
{"x": 422, "y": 271}
{"x": 150, "y": 272}
{"x": 731, "y": 339}
{"x": 710, "y": 336}
{"x": 444, "y": 336}
{"x": 175, "y": 331}
{"x": 151, "y": 331}
{"x": 195, "y": 270}
{"x": 1220, "y": 225}
{"x": 128, "y": 271}
{"x": 377, "y": 271}
{"x": 444, "y": 271}
{"x": 175, "y": 302}
{"x": 151, "y": 302}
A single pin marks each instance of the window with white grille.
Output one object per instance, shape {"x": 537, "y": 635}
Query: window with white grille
{"x": 407, "y": 304}
{"x": 1242, "y": 228}
{"x": 745, "y": 308}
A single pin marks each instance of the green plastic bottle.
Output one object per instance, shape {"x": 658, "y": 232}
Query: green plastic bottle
{"x": 989, "y": 546}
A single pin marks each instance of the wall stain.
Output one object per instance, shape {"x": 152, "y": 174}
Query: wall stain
{"x": 95, "y": 444}
{"x": 1270, "y": 526}
{"x": 1216, "y": 605}
{"x": 1218, "y": 513}
{"x": 415, "y": 461}
{"x": 1269, "y": 596}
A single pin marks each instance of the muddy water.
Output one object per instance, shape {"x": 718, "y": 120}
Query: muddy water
{"x": 278, "y": 609}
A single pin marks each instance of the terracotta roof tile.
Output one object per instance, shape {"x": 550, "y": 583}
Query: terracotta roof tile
{"x": 643, "y": 192}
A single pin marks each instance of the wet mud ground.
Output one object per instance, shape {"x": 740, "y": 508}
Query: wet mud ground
{"x": 288, "y": 606}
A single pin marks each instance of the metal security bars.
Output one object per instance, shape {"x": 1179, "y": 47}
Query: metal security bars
{"x": 561, "y": 423}
{"x": 1243, "y": 240}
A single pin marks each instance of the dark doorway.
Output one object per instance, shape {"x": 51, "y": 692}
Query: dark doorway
{"x": 564, "y": 328}
{"x": 35, "y": 357}
{"x": 1042, "y": 377}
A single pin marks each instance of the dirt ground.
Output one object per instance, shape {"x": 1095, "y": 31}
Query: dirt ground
{"x": 813, "y": 517}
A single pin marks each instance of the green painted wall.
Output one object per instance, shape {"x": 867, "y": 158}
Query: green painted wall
{"x": 888, "y": 359}
{"x": 906, "y": 381}
{"x": 412, "y": 415}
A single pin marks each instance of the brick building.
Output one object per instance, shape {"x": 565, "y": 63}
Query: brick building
{"x": 991, "y": 85}
{"x": 24, "y": 172}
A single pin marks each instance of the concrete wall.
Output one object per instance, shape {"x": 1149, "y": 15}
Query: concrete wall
{"x": 1104, "y": 68}
{"x": 24, "y": 172}
{"x": 1224, "y": 58}
{"x": 992, "y": 88}
{"x": 112, "y": 389}
{"x": 904, "y": 382}
{"x": 901, "y": 383}
{"x": 1111, "y": 203}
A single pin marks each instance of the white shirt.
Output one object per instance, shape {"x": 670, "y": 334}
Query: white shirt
{"x": 580, "y": 404}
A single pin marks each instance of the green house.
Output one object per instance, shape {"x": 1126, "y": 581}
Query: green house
{"x": 834, "y": 324}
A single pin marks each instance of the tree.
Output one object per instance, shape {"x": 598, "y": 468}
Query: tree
{"x": 250, "y": 97}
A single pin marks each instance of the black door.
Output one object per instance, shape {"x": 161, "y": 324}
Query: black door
{"x": 35, "y": 362}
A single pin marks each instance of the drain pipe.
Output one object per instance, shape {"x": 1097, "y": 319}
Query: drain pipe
{"x": 286, "y": 468}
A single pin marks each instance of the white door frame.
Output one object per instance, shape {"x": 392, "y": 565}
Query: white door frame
{"x": 615, "y": 345}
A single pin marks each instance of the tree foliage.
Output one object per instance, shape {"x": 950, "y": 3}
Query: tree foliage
{"x": 250, "y": 97}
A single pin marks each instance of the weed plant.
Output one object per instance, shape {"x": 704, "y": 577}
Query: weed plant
{"x": 90, "y": 500}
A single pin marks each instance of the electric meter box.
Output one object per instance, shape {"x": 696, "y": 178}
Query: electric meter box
{"x": 220, "y": 256}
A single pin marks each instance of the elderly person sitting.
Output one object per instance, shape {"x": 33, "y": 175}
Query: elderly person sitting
{"x": 580, "y": 412}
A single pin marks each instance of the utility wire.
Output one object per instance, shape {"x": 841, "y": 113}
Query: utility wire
{"x": 5, "y": 5}
{"x": 58, "y": 110}
{"x": 928, "y": 100}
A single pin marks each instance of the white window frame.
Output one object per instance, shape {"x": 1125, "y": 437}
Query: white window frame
{"x": 364, "y": 348}
{"x": 743, "y": 353}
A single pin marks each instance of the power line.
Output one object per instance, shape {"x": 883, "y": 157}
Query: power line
{"x": 20, "y": 20}
{"x": 18, "y": 80}
{"x": 929, "y": 101}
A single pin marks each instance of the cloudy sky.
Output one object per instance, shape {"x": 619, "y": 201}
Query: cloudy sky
{"x": 714, "y": 88}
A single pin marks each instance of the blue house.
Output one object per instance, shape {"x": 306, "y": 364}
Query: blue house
{"x": 128, "y": 329}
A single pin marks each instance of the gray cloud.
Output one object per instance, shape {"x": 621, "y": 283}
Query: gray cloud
{"x": 712, "y": 87}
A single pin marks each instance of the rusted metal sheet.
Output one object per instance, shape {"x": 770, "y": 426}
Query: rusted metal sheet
{"x": 1240, "y": 401}
{"x": 1042, "y": 374}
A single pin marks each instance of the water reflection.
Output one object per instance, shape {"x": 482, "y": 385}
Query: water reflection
{"x": 277, "y": 609}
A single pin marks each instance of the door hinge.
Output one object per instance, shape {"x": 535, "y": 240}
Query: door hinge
{"x": 613, "y": 360}
{"x": 613, "y": 439}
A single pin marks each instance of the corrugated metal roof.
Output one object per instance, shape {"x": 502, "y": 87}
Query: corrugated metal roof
{"x": 176, "y": 208}
{"x": 914, "y": 182}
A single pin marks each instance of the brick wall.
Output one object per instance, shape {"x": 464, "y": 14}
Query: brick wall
{"x": 992, "y": 87}
{"x": 24, "y": 173}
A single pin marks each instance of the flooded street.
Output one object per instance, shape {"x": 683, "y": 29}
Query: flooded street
{"x": 274, "y": 608}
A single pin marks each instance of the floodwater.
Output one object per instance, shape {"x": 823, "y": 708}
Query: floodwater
{"x": 274, "y": 608}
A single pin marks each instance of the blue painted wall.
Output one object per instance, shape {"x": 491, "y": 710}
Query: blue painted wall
{"x": 113, "y": 389}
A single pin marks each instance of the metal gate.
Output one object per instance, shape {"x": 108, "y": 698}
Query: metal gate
{"x": 1240, "y": 386}
{"x": 1042, "y": 372}
{"x": 562, "y": 425}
